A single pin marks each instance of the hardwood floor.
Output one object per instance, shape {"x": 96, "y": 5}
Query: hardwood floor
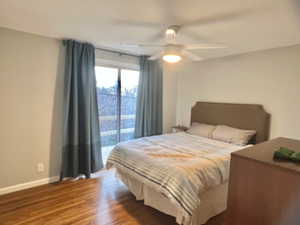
{"x": 99, "y": 201}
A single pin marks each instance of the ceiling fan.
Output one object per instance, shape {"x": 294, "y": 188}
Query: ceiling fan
{"x": 173, "y": 51}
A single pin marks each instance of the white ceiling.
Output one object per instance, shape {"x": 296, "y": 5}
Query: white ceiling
{"x": 244, "y": 25}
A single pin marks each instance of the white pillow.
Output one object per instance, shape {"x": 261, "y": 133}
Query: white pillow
{"x": 201, "y": 129}
{"x": 232, "y": 135}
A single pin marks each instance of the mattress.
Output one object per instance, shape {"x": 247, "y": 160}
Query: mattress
{"x": 179, "y": 166}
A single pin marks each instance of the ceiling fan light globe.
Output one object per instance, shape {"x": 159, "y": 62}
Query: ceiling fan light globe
{"x": 170, "y": 31}
{"x": 171, "y": 58}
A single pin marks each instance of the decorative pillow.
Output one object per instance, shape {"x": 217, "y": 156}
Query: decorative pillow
{"x": 232, "y": 135}
{"x": 201, "y": 129}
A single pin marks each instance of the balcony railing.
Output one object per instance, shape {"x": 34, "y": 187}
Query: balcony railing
{"x": 114, "y": 132}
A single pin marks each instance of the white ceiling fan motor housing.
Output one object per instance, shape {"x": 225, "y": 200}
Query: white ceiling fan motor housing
{"x": 171, "y": 33}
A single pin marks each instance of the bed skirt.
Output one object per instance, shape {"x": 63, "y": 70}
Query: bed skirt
{"x": 213, "y": 202}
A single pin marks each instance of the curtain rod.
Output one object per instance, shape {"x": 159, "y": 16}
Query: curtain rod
{"x": 116, "y": 52}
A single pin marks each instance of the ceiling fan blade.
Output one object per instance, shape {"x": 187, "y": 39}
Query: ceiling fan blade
{"x": 229, "y": 16}
{"x": 142, "y": 45}
{"x": 191, "y": 56}
{"x": 157, "y": 37}
{"x": 192, "y": 36}
{"x": 143, "y": 25}
{"x": 156, "y": 56}
{"x": 134, "y": 23}
{"x": 205, "y": 46}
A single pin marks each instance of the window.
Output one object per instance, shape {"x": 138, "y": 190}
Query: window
{"x": 116, "y": 95}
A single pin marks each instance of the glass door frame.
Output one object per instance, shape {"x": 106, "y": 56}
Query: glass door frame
{"x": 119, "y": 94}
{"x": 119, "y": 102}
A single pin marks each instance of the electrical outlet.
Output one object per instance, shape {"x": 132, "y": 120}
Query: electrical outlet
{"x": 40, "y": 167}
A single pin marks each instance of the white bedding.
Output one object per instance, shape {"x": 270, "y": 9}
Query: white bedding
{"x": 180, "y": 166}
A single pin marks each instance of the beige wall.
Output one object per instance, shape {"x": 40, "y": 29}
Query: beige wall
{"x": 169, "y": 97}
{"x": 270, "y": 78}
{"x": 30, "y": 101}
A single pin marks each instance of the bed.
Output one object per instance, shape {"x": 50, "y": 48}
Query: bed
{"x": 184, "y": 175}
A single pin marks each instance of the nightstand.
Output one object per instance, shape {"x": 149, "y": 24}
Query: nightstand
{"x": 179, "y": 128}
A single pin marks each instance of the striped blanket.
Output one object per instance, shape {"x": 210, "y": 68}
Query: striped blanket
{"x": 179, "y": 165}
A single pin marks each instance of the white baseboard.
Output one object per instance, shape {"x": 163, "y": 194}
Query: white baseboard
{"x": 27, "y": 185}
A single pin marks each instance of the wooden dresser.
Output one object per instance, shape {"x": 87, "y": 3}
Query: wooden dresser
{"x": 263, "y": 191}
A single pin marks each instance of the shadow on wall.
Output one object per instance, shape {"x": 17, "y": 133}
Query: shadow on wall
{"x": 296, "y": 7}
{"x": 56, "y": 138}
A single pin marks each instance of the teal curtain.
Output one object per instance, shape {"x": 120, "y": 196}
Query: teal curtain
{"x": 82, "y": 145}
{"x": 149, "y": 99}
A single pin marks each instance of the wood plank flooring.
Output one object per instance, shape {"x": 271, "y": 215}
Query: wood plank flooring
{"x": 99, "y": 201}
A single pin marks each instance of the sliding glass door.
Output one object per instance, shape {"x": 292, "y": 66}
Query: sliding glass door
{"x": 116, "y": 94}
{"x": 129, "y": 85}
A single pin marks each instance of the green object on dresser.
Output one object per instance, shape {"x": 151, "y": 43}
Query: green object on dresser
{"x": 283, "y": 153}
{"x": 295, "y": 157}
{"x": 287, "y": 154}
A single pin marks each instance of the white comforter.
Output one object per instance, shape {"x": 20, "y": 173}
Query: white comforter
{"x": 179, "y": 165}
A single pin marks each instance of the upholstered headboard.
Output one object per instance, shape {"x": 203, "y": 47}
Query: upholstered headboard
{"x": 243, "y": 116}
